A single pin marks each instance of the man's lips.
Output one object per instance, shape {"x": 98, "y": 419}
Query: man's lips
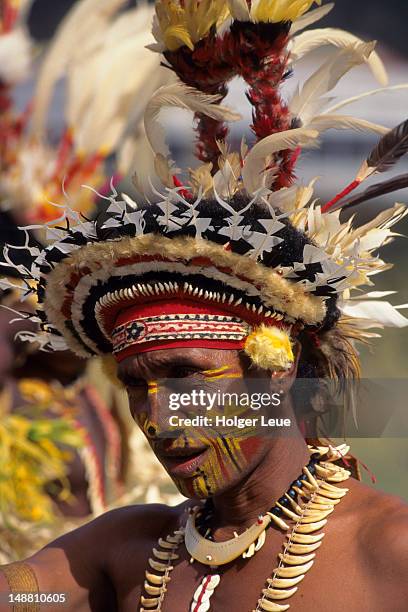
{"x": 183, "y": 462}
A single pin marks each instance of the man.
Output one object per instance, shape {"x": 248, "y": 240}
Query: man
{"x": 230, "y": 282}
{"x": 102, "y": 565}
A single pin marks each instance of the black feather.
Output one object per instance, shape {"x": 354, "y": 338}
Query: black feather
{"x": 390, "y": 148}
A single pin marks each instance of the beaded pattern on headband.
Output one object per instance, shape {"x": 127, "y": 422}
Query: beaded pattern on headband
{"x": 135, "y": 335}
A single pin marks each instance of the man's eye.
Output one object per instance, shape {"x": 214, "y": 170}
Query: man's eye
{"x": 184, "y": 372}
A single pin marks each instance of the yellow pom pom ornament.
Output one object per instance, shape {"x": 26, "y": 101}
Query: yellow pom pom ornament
{"x": 270, "y": 348}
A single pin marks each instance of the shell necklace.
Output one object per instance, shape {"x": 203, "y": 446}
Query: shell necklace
{"x": 308, "y": 502}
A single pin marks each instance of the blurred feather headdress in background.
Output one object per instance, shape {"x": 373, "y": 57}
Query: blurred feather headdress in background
{"x": 93, "y": 53}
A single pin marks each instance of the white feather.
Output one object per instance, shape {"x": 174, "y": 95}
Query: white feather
{"x": 308, "y": 41}
{"x": 284, "y": 199}
{"x": 187, "y": 98}
{"x": 15, "y": 55}
{"x": 254, "y": 162}
{"x": 344, "y": 122}
{"x": 80, "y": 90}
{"x": 129, "y": 23}
{"x": 306, "y": 102}
{"x": 366, "y": 94}
{"x": 376, "y": 312}
{"x": 373, "y": 295}
{"x": 114, "y": 96}
{"x": 384, "y": 220}
{"x": 81, "y": 23}
{"x": 101, "y": 103}
{"x": 311, "y": 17}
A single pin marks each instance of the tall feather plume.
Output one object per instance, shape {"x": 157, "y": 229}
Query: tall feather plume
{"x": 180, "y": 96}
{"x": 259, "y": 53}
{"x": 194, "y": 50}
{"x": 345, "y": 122}
{"x": 111, "y": 101}
{"x": 308, "y": 101}
{"x": 79, "y": 27}
{"x": 384, "y": 156}
{"x": 311, "y": 40}
{"x": 366, "y": 94}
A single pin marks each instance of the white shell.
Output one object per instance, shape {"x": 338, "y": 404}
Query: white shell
{"x": 204, "y": 594}
{"x": 214, "y": 582}
{"x": 204, "y": 597}
{"x": 203, "y": 607}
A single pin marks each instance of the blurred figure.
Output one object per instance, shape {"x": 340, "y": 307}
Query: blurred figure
{"x": 87, "y": 442}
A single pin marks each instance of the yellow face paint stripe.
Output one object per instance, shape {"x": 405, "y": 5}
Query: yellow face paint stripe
{"x": 216, "y": 370}
{"x": 223, "y": 376}
{"x": 152, "y": 387}
{"x": 238, "y": 450}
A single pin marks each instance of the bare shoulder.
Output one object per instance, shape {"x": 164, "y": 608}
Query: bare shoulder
{"x": 381, "y": 534}
{"x": 110, "y": 530}
{"x": 132, "y": 531}
{"x": 377, "y": 511}
{"x": 143, "y": 521}
{"x": 83, "y": 562}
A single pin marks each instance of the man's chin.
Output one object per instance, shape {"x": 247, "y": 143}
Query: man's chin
{"x": 196, "y": 488}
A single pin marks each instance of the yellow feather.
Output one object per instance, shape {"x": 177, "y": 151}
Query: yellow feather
{"x": 285, "y": 10}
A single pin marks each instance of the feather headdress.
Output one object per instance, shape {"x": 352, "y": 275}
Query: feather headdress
{"x": 233, "y": 248}
{"x": 94, "y": 51}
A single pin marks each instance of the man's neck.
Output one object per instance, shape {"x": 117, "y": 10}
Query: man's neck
{"x": 240, "y": 506}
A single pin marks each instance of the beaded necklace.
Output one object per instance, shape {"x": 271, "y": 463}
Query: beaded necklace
{"x": 308, "y": 502}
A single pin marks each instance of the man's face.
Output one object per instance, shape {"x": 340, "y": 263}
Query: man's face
{"x": 202, "y": 460}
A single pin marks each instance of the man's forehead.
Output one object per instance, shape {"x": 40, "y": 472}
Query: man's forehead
{"x": 168, "y": 358}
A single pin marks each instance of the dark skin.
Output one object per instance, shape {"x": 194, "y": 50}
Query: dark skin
{"x": 361, "y": 566}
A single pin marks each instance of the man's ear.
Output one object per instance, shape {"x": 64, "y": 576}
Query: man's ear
{"x": 286, "y": 378}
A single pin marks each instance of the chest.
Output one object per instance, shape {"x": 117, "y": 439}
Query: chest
{"x": 335, "y": 583}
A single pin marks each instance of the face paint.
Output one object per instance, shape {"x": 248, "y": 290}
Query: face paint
{"x": 228, "y": 455}
{"x": 201, "y": 461}
{"x": 227, "y": 460}
{"x": 152, "y": 387}
{"x": 217, "y": 374}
